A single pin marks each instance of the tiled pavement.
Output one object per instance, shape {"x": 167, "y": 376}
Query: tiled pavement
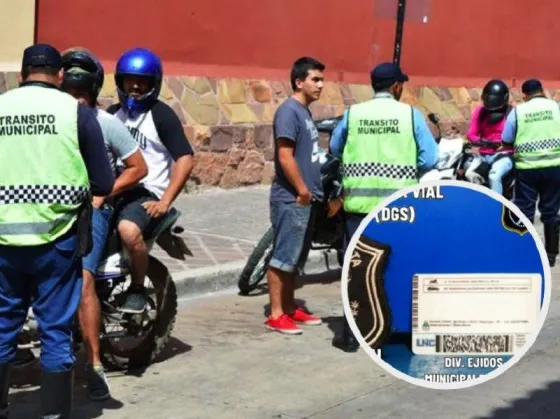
{"x": 221, "y": 226}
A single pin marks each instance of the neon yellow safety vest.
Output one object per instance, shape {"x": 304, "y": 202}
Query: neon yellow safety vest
{"x": 44, "y": 178}
{"x": 537, "y": 142}
{"x": 380, "y": 154}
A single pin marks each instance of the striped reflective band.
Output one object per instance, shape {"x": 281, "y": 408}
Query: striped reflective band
{"x": 32, "y": 228}
{"x": 542, "y": 157}
{"x": 538, "y": 146}
{"x": 42, "y": 194}
{"x": 376, "y": 169}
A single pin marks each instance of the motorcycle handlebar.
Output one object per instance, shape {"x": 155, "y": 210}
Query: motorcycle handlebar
{"x": 484, "y": 143}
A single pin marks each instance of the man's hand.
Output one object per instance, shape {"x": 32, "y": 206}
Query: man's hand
{"x": 504, "y": 147}
{"x": 334, "y": 206}
{"x": 156, "y": 209}
{"x": 291, "y": 170}
{"x": 98, "y": 201}
{"x": 304, "y": 198}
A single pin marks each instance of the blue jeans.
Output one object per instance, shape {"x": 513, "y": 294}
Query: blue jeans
{"x": 54, "y": 272}
{"x": 499, "y": 169}
{"x": 100, "y": 226}
{"x": 291, "y": 225}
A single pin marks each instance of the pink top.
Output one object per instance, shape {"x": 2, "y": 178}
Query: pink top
{"x": 484, "y": 130}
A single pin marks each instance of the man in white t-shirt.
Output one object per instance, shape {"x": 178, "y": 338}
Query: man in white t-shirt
{"x": 161, "y": 137}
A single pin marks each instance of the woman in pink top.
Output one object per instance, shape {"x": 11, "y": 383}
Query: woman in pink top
{"x": 487, "y": 123}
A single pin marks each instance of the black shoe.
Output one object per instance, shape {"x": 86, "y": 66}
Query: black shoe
{"x": 5, "y": 373}
{"x": 57, "y": 393}
{"x": 135, "y": 301}
{"x": 552, "y": 241}
{"x": 346, "y": 342}
{"x": 98, "y": 385}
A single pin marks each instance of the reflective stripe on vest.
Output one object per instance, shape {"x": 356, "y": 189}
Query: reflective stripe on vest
{"x": 44, "y": 180}
{"x": 537, "y": 142}
{"x": 380, "y": 154}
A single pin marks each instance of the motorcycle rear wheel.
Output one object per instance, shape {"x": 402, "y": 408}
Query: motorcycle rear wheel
{"x": 156, "y": 339}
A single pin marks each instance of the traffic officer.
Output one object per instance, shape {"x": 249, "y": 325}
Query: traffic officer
{"x": 382, "y": 144}
{"x": 533, "y": 128}
{"x": 52, "y": 156}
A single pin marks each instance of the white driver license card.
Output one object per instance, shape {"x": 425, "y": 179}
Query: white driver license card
{"x": 464, "y": 314}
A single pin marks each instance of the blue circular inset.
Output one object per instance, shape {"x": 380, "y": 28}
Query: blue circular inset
{"x": 449, "y": 230}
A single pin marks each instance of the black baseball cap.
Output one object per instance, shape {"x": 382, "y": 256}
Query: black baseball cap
{"x": 385, "y": 74}
{"x": 531, "y": 86}
{"x": 41, "y": 55}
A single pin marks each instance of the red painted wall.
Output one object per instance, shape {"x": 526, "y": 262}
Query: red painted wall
{"x": 463, "y": 39}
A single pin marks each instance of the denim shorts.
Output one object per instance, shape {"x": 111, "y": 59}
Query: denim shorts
{"x": 292, "y": 241}
{"x": 100, "y": 227}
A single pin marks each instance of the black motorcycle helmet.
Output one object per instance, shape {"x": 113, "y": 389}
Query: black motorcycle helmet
{"x": 495, "y": 95}
{"x": 82, "y": 71}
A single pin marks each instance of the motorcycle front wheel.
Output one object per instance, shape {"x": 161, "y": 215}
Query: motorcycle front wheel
{"x": 257, "y": 264}
{"x": 117, "y": 350}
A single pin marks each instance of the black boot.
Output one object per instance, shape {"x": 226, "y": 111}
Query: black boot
{"x": 551, "y": 241}
{"x": 347, "y": 342}
{"x": 5, "y": 373}
{"x": 57, "y": 391}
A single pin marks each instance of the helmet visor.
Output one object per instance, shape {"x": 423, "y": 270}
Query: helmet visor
{"x": 493, "y": 102}
{"x": 79, "y": 80}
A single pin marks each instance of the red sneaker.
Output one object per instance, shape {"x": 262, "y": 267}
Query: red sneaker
{"x": 283, "y": 324}
{"x": 302, "y": 317}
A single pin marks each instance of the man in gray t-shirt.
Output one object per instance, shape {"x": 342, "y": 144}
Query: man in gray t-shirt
{"x": 83, "y": 79}
{"x": 297, "y": 160}
{"x": 293, "y": 121}
{"x": 119, "y": 142}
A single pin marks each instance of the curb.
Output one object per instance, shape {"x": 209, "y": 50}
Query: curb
{"x": 208, "y": 280}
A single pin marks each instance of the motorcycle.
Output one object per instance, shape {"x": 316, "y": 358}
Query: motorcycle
{"x": 455, "y": 157}
{"x": 153, "y": 327}
{"x": 451, "y": 151}
{"x": 327, "y": 233}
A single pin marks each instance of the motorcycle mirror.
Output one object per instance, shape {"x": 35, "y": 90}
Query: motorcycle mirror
{"x": 433, "y": 118}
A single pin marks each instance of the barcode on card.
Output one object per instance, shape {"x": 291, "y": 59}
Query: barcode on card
{"x": 475, "y": 344}
{"x": 415, "y": 303}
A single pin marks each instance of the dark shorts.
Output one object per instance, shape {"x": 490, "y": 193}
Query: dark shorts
{"x": 128, "y": 206}
{"x": 100, "y": 228}
{"x": 292, "y": 226}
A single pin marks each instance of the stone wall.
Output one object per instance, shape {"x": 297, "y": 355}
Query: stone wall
{"x": 228, "y": 121}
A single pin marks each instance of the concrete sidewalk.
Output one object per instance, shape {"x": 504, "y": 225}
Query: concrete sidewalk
{"x": 222, "y": 228}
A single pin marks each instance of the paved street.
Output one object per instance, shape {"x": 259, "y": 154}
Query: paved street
{"x": 223, "y": 363}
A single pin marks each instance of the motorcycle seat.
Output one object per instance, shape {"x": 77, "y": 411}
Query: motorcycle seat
{"x": 327, "y": 125}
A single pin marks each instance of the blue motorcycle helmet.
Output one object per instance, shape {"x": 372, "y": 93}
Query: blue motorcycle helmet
{"x": 143, "y": 63}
